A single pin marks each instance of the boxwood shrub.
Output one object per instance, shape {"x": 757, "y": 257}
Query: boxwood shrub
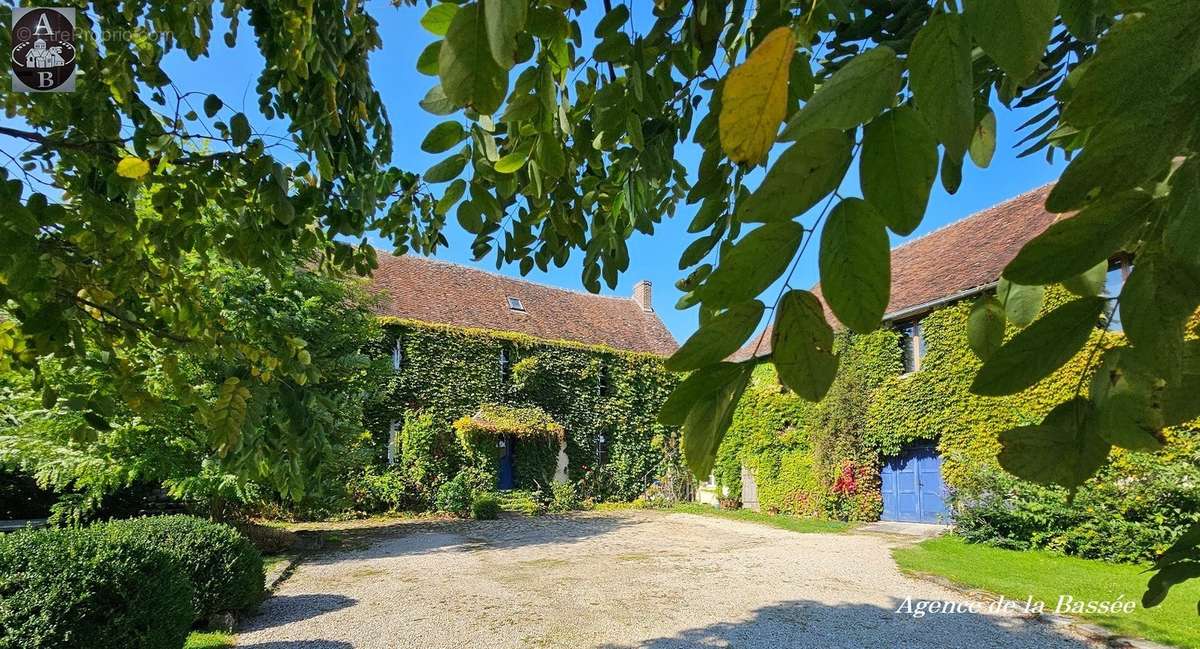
{"x": 85, "y": 588}
{"x": 225, "y": 569}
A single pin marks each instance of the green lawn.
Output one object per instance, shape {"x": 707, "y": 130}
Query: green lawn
{"x": 207, "y": 640}
{"x": 1046, "y": 577}
{"x": 792, "y": 523}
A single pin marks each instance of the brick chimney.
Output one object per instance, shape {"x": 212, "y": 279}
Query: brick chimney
{"x": 641, "y": 295}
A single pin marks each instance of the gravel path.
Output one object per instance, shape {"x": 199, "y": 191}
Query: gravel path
{"x": 614, "y": 580}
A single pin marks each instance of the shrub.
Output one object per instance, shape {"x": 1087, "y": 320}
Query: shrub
{"x": 224, "y": 567}
{"x": 268, "y": 539}
{"x": 455, "y": 497}
{"x": 73, "y": 588}
{"x": 564, "y": 497}
{"x": 376, "y": 491}
{"x": 485, "y": 507}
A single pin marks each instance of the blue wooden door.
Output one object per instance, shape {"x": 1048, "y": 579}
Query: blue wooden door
{"x": 912, "y": 487}
{"x": 505, "y": 480}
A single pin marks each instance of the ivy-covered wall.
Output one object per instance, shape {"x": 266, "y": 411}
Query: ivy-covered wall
{"x": 449, "y": 372}
{"x": 824, "y": 459}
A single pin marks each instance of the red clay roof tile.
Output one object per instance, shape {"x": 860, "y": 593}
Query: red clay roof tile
{"x": 958, "y": 258}
{"x": 439, "y": 292}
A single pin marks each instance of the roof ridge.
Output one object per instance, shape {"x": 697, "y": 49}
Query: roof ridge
{"x": 973, "y": 215}
{"x": 522, "y": 280}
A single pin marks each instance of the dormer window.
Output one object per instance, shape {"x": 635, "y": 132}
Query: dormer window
{"x": 515, "y": 304}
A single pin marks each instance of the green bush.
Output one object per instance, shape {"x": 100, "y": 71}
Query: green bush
{"x": 455, "y": 497}
{"x": 88, "y": 588}
{"x": 224, "y": 567}
{"x": 376, "y": 491}
{"x": 485, "y": 507}
{"x": 564, "y": 497}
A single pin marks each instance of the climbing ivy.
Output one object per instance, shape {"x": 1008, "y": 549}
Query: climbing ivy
{"x": 804, "y": 454}
{"x": 450, "y": 372}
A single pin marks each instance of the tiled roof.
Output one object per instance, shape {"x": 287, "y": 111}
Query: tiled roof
{"x": 438, "y": 292}
{"x": 955, "y": 259}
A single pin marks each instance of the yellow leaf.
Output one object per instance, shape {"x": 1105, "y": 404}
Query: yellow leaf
{"x": 754, "y": 99}
{"x": 132, "y": 167}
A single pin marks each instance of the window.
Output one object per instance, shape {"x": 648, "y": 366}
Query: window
{"x": 912, "y": 345}
{"x": 515, "y": 304}
{"x": 393, "y": 447}
{"x": 505, "y": 365}
{"x": 603, "y": 387}
{"x": 601, "y": 449}
{"x": 1118, "y": 272}
{"x": 398, "y": 354}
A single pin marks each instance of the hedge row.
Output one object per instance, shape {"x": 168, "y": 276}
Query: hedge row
{"x": 134, "y": 583}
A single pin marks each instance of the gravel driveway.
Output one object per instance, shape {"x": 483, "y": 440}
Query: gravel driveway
{"x": 627, "y": 579}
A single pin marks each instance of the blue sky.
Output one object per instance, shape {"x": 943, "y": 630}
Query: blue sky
{"x": 232, "y": 75}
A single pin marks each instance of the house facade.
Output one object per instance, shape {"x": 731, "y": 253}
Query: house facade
{"x": 900, "y": 431}
{"x": 465, "y": 344}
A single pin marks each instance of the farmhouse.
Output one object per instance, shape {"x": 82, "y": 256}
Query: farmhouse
{"x": 899, "y": 426}
{"x": 504, "y": 357}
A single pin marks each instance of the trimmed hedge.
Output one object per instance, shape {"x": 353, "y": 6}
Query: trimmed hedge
{"x": 87, "y": 588}
{"x": 225, "y": 569}
{"x": 485, "y": 507}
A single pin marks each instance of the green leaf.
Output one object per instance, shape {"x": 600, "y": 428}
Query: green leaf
{"x": 1039, "y": 349}
{"x": 701, "y": 385}
{"x": 752, "y": 264}
{"x": 212, "y": 105}
{"x": 952, "y": 172}
{"x": 1021, "y": 303}
{"x": 1161, "y": 583}
{"x": 470, "y": 76}
{"x": 1181, "y": 235}
{"x": 1013, "y": 32}
{"x": 443, "y": 137}
{"x": 985, "y": 327}
{"x": 1089, "y": 283}
{"x": 941, "y": 79}
{"x": 1074, "y": 245}
{"x": 983, "y": 143}
{"x": 804, "y": 174}
{"x": 612, "y": 49}
{"x": 447, "y": 169}
{"x": 1063, "y": 450}
{"x": 717, "y": 338}
{"x": 855, "y": 263}
{"x": 697, "y": 249}
{"x": 1157, "y": 300}
{"x": 1119, "y": 156}
{"x": 239, "y": 129}
{"x": 1181, "y": 398}
{"x": 550, "y": 156}
{"x": 612, "y": 21}
{"x": 1128, "y": 409}
{"x": 898, "y": 165}
{"x": 439, "y": 17}
{"x": 853, "y": 95}
{"x": 802, "y": 346}
{"x": 504, "y": 18}
{"x": 513, "y": 162}
{"x": 435, "y": 102}
{"x": 427, "y": 62}
{"x": 708, "y": 421}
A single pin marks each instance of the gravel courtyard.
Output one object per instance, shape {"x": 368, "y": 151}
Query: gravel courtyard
{"x": 613, "y": 580}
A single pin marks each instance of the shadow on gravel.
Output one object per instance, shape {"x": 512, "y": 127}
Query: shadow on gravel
{"x": 285, "y": 609}
{"x": 299, "y": 644}
{"x": 803, "y": 623}
{"x": 409, "y": 538}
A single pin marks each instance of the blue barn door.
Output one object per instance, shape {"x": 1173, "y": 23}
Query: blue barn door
{"x": 505, "y": 481}
{"x": 912, "y": 487}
